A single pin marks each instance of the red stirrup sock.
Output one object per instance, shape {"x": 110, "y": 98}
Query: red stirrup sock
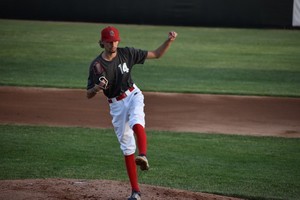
{"x": 141, "y": 136}
{"x": 132, "y": 172}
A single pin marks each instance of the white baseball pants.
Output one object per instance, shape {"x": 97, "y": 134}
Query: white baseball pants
{"x": 125, "y": 114}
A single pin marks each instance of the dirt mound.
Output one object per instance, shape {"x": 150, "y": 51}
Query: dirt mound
{"x": 57, "y": 189}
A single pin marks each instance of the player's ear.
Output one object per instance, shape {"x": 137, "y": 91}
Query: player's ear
{"x": 101, "y": 44}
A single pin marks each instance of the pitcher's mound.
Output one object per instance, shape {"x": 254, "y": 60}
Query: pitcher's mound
{"x": 71, "y": 189}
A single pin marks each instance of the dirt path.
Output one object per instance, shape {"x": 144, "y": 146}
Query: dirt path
{"x": 244, "y": 115}
{"x": 259, "y": 116}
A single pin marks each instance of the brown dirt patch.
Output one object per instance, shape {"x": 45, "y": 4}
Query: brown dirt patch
{"x": 56, "y": 189}
{"x": 245, "y": 115}
{"x": 259, "y": 116}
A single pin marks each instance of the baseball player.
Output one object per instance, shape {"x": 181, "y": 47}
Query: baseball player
{"x": 111, "y": 72}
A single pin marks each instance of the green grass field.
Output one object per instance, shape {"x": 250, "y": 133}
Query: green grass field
{"x": 242, "y": 166}
{"x": 202, "y": 60}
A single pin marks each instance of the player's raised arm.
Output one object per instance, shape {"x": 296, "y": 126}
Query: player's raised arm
{"x": 162, "y": 49}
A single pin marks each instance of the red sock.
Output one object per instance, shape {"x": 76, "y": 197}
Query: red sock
{"x": 141, "y": 136}
{"x": 132, "y": 172}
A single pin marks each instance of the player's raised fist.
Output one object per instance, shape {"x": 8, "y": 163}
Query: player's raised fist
{"x": 172, "y": 35}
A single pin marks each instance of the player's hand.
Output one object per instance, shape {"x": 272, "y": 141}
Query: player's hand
{"x": 172, "y": 35}
{"x": 96, "y": 88}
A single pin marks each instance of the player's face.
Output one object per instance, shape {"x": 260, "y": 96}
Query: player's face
{"x": 111, "y": 47}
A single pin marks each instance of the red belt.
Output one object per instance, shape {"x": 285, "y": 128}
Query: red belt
{"x": 122, "y": 96}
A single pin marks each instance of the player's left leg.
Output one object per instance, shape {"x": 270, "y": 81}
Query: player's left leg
{"x": 141, "y": 139}
{"x": 141, "y": 159}
{"x": 137, "y": 122}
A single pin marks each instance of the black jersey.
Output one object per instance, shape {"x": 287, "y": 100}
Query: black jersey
{"x": 117, "y": 71}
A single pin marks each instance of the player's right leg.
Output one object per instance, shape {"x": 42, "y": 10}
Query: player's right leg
{"x": 126, "y": 139}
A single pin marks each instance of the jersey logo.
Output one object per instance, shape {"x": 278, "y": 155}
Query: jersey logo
{"x": 123, "y": 68}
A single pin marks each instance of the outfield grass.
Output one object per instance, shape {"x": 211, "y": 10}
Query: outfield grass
{"x": 202, "y": 60}
{"x": 242, "y": 166}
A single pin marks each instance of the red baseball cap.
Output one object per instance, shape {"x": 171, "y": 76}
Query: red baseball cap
{"x": 110, "y": 34}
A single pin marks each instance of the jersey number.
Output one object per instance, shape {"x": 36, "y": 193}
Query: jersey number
{"x": 123, "y": 67}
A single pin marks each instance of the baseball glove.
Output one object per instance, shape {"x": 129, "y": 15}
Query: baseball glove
{"x": 99, "y": 74}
